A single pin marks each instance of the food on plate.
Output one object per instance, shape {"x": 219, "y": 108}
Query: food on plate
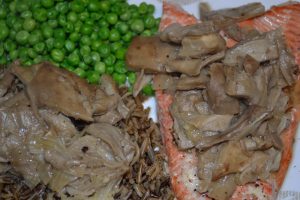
{"x": 228, "y": 114}
{"x": 69, "y": 139}
{"x": 89, "y": 38}
{"x": 148, "y": 177}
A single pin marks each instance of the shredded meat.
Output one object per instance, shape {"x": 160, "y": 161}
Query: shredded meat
{"x": 79, "y": 151}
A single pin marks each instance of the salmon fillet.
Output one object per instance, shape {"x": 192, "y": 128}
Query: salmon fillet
{"x": 182, "y": 165}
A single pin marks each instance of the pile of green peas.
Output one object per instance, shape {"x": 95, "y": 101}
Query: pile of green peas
{"x": 87, "y": 37}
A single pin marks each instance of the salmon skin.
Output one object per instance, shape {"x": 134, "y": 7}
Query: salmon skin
{"x": 182, "y": 165}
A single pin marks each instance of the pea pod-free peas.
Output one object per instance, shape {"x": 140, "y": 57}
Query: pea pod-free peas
{"x": 88, "y": 37}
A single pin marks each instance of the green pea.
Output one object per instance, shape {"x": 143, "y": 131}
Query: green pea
{"x": 59, "y": 43}
{"x": 32, "y": 53}
{"x": 85, "y": 50}
{"x": 90, "y": 22}
{"x": 35, "y": 5}
{"x": 69, "y": 45}
{"x": 50, "y": 43}
{"x": 21, "y": 6}
{"x": 122, "y": 27}
{"x": 148, "y": 90}
{"x": 133, "y": 8}
{"x": 59, "y": 33}
{"x": 120, "y": 53}
{"x": 23, "y": 53}
{"x": 57, "y": 55}
{"x": 77, "y": 26}
{"x": 120, "y": 67}
{"x": 125, "y": 16}
{"x": 96, "y": 45}
{"x": 77, "y": 6}
{"x": 12, "y": 6}
{"x": 72, "y": 17}
{"x": 27, "y": 63}
{"x": 96, "y": 16}
{"x": 3, "y": 61}
{"x": 99, "y": 67}
{"x": 112, "y": 18}
{"x": 62, "y": 7}
{"x": 12, "y": 34}
{"x": 38, "y": 60}
{"x": 94, "y": 36}
{"x": 40, "y": 14}
{"x": 93, "y": 77}
{"x": 67, "y": 66}
{"x": 53, "y": 23}
{"x": 87, "y": 59}
{"x": 109, "y": 70}
{"x": 4, "y": 31}
{"x": 73, "y": 59}
{"x": 22, "y": 37}
{"x": 135, "y": 15}
{"x": 85, "y": 40}
{"x": 109, "y": 60}
{"x": 119, "y": 78}
{"x": 116, "y": 9}
{"x": 10, "y": 20}
{"x": 26, "y": 14}
{"x": 104, "y": 33}
{"x": 47, "y": 31}
{"x": 52, "y": 14}
{"x": 13, "y": 55}
{"x": 146, "y": 33}
{"x": 62, "y": 20}
{"x": 47, "y": 3}
{"x": 114, "y": 35}
{"x": 79, "y": 72}
{"x": 29, "y": 24}
{"x": 143, "y": 8}
{"x": 95, "y": 56}
{"x": 127, "y": 37}
{"x": 34, "y": 37}
{"x": 149, "y": 21}
{"x": 39, "y": 47}
{"x": 131, "y": 77}
{"x": 3, "y": 13}
{"x": 116, "y": 45}
{"x": 86, "y": 29}
{"x": 104, "y": 50}
{"x": 9, "y": 45}
{"x": 74, "y": 37}
{"x": 69, "y": 27}
{"x": 103, "y": 23}
{"x": 18, "y": 25}
{"x": 151, "y": 9}
{"x": 93, "y": 6}
{"x": 83, "y": 65}
{"x": 104, "y": 6}
{"x": 84, "y": 16}
{"x": 137, "y": 26}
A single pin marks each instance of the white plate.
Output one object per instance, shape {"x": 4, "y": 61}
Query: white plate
{"x": 291, "y": 187}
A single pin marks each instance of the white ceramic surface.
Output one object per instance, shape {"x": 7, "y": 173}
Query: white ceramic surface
{"x": 291, "y": 187}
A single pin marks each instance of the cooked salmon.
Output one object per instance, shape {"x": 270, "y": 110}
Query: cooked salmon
{"x": 182, "y": 164}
